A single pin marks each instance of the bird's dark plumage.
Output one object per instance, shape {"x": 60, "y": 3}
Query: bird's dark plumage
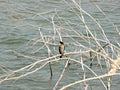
{"x": 61, "y": 48}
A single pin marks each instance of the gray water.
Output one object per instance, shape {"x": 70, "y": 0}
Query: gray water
{"x": 19, "y": 24}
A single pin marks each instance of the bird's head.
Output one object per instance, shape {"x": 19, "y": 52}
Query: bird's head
{"x": 61, "y": 42}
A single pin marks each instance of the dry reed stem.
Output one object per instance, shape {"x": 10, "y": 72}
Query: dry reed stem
{"x": 87, "y": 79}
{"x": 48, "y": 40}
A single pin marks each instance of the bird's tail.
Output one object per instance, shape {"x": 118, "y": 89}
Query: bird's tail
{"x": 61, "y": 56}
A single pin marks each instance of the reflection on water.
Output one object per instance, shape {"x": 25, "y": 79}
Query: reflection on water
{"x": 19, "y": 24}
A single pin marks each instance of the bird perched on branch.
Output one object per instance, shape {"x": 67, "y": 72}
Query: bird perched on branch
{"x": 61, "y": 48}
